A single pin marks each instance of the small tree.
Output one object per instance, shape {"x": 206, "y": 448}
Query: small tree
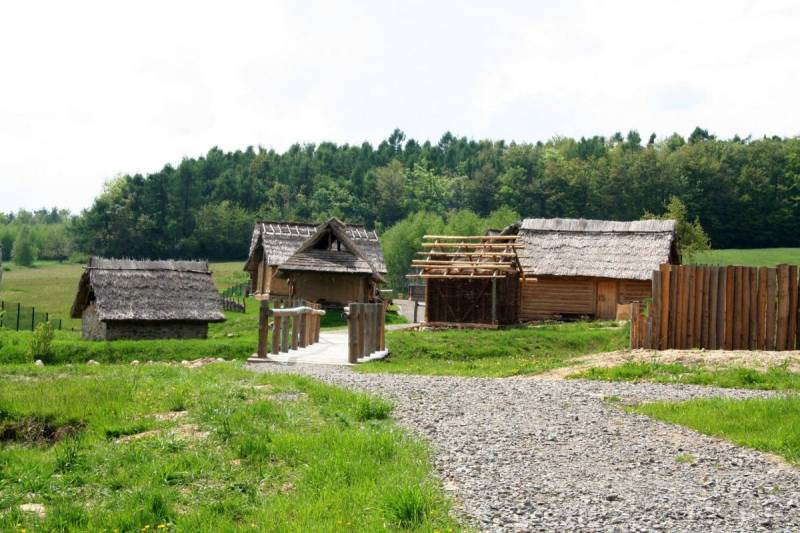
{"x": 692, "y": 238}
{"x": 24, "y": 252}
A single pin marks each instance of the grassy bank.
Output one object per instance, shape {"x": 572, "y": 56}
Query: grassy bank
{"x": 776, "y": 378}
{"x": 754, "y": 257}
{"x": 218, "y": 448}
{"x": 771, "y": 425}
{"x": 504, "y": 352}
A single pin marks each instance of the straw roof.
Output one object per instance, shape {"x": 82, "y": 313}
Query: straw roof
{"x": 332, "y": 248}
{"x": 596, "y": 248}
{"x": 278, "y": 241}
{"x": 149, "y": 291}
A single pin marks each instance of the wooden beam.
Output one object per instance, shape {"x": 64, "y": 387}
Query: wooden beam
{"x": 486, "y": 246}
{"x": 480, "y": 237}
{"x": 487, "y": 253}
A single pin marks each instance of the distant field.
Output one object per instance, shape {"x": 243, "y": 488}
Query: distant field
{"x": 50, "y": 287}
{"x": 756, "y": 257}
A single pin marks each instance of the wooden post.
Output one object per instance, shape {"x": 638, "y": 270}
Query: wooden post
{"x": 285, "y": 331}
{"x": 317, "y": 325}
{"x": 301, "y": 330}
{"x": 263, "y": 323}
{"x": 494, "y": 300}
{"x": 721, "y": 288}
{"x": 673, "y": 306}
{"x": 705, "y": 316}
{"x": 753, "y": 309}
{"x": 783, "y": 308}
{"x": 713, "y": 298}
{"x": 791, "y": 336}
{"x": 761, "y": 310}
{"x": 276, "y": 334}
{"x": 655, "y": 312}
{"x": 772, "y": 302}
{"x": 362, "y": 318}
{"x": 352, "y": 334}
{"x": 663, "y": 342}
{"x": 690, "y": 283}
{"x": 729, "y": 301}
{"x": 383, "y": 329}
{"x": 745, "y": 315}
{"x": 698, "y": 306}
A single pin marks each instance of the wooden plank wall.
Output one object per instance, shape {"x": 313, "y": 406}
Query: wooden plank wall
{"x": 711, "y": 307}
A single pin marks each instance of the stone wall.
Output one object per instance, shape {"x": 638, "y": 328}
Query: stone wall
{"x": 91, "y": 326}
{"x": 155, "y": 330}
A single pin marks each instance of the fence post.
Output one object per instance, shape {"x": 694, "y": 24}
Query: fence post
{"x": 263, "y": 323}
{"x": 352, "y": 333}
{"x": 2, "y": 312}
{"x": 18, "y": 311}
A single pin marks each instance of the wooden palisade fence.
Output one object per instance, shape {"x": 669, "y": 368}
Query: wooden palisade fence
{"x": 295, "y": 324}
{"x": 729, "y": 307}
{"x": 366, "y": 331}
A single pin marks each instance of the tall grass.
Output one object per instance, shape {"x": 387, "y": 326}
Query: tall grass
{"x": 257, "y": 452}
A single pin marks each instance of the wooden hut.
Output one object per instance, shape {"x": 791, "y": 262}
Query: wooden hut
{"x": 588, "y": 267}
{"x": 470, "y": 280}
{"x": 331, "y": 263}
{"x": 126, "y": 299}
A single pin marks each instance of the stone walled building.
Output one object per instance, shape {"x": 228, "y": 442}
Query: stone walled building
{"x": 125, "y": 299}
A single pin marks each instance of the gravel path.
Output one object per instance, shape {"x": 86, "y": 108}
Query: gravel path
{"x": 522, "y": 455}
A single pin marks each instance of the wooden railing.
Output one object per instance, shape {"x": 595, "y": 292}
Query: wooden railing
{"x": 730, "y": 307}
{"x": 366, "y": 329}
{"x": 295, "y": 324}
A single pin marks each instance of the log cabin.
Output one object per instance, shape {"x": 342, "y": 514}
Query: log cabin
{"x": 585, "y": 268}
{"x": 332, "y": 263}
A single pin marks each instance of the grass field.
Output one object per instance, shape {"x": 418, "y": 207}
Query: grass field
{"x": 496, "y": 353}
{"x": 771, "y": 425}
{"x": 776, "y": 378}
{"x": 758, "y": 257}
{"x": 217, "y": 448}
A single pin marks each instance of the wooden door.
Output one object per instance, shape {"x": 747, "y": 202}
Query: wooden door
{"x": 606, "y": 299}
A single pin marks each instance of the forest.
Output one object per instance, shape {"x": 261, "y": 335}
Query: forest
{"x": 744, "y": 191}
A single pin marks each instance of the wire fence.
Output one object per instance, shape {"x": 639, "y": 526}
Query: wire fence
{"x": 235, "y": 298}
{"x": 18, "y": 317}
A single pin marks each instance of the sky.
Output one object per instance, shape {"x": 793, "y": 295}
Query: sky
{"x": 91, "y": 90}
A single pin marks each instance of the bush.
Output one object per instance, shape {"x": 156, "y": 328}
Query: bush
{"x": 42, "y": 343}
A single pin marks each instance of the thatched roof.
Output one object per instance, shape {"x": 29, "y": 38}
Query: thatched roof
{"x": 149, "y": 291}
{"x": 596, "y": 248}
{"x": 332, "y": 248}
{"x": 278, "y": 241}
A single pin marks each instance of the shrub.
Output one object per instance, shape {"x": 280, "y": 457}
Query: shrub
{"x": 42, "y": 342}
{"x": 409, "y": 506}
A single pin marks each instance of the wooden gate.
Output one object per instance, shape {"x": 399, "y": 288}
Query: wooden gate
{"x": 731, "y": 308}
{"x": 366, "y": 329}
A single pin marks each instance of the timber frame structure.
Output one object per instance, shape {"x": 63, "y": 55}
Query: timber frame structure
{"x": 471, "y": 281}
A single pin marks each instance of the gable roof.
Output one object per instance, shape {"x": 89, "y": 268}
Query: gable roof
{"x": 596, "y": 248}
{"x": 278, "y": 241}
{"x": 315, "y": 254}
{"x": 149, "y": 291}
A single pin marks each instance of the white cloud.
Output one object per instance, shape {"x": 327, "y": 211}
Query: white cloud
{"x": 91, "y": 89}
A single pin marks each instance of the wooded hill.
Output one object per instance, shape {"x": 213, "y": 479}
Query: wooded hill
{"x": 744, "y": 191}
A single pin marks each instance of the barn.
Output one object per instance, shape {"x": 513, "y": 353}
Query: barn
{"x": 332, "y": 263}
{"x": 577, "y": 267}
{"x": 126, "y": 299}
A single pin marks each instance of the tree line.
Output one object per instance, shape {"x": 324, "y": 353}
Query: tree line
{"x": 743, "y": 191}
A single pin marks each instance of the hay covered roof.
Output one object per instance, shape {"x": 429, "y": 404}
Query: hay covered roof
{"x": 331, "y": 248}
{"x": 596, "y": 248}
{"x": 278, "y": 241}
{"x": 149, "y": 291}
